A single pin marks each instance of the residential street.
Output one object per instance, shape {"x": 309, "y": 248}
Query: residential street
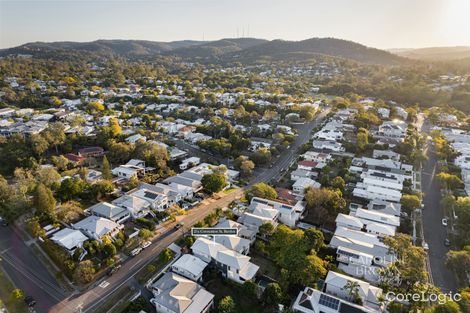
{"x": 27, "y": 272}
{"x": 434, "y": 232}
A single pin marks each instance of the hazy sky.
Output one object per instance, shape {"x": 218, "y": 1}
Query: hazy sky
{"x": 377, "y": 23}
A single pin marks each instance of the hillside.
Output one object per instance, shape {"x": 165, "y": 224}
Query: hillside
{"x": 435, "y": 54}
{"x": 280, "y": 49}
{"x": 239, "y": 49}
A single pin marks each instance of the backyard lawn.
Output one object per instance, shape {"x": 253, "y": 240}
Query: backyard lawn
{"x": 222, "y": 288}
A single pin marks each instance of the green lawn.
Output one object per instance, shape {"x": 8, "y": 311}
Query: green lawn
{"x": 6, "y": 287}
{"x": 266, "y": 266}
{"x": 222, "y": 288}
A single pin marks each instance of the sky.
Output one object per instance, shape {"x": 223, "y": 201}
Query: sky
{"x": 382, "y": 24}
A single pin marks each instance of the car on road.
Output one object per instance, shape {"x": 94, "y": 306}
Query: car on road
{"x": 3, "y": 222}
{"x": 113, "y": 269}
{"x": 30, "y": 301}
{"x": 145, "y": 244}
{"x": 447, "y": 242}
{"x": 179, "y": 225}
{"x": 425, "y": 246}
{"x": 444, "y": 222}
{"x": 136, "y": 251}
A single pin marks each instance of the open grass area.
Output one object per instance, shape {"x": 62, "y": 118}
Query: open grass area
{"x": 6, "y": 300}
{"x": 221, "y": 288}
{"x": 266, "y": 266}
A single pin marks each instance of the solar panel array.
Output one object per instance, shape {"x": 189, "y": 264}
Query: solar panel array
{"x": 329, "y": 302}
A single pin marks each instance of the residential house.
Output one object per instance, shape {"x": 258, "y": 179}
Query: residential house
{"x": 137, "y": 207}
{"x": 233, "y": 265}
{"x": 173, "y": 293}
{"x": 302, "y": 183}
{"x": 314, "y": 301}
{"x": 189, "y": 266}
{"x": 96, "y": 228}
{"x": 336, "y": 283}
{"x": 110, "y": 211}
{"x": 69, "y": 239}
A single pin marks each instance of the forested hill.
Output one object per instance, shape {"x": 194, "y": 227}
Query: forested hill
{"x": 239, "y": 49}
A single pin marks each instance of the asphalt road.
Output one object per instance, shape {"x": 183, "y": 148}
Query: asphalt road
{"x": 26, "y": 272}
{"x": 290, "y": 155}
{"x": 96, "y": 295}
{"x": 434, "y": 232}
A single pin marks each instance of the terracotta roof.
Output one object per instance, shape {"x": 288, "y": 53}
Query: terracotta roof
{"x": 308, "y": 163}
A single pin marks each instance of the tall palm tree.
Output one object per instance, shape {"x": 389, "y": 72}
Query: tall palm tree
{"x": 353, "y": 289}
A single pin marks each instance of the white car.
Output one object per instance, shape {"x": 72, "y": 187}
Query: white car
{"x": 136, "y": 251}
{"x": 444, "y": 222}
{"x": 425, "y": 246}
{"x": 145, "y": 244}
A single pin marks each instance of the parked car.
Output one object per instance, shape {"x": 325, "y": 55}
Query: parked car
{"x": 3, "y": 222}
{"x": 444, "y": 222}
{"x": 145, "y": 244}
{"x": 113, "y": 269}
{"x": 136, "y": 251}
{"x": 30, "y": 301}
{"x": 447, "y": 242}
{"x": 179, "y": 225}
{"x": 425, "y": 246}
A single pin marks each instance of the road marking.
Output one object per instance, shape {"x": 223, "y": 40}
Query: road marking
{"x": 136, "y": 263}
{"x": 104, "y": 284}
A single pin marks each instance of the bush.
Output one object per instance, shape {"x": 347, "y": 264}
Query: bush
{"x": 149, "y": 224}
{"x": 60, "y": 257}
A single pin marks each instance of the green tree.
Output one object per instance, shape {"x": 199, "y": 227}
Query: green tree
{"x": 450, "y": 181}
{"x": 48, "y": 176}
{"x": 214, "y": 182}
{"x": 411, "y": 263}
{"x": 226, "y": 305}
{"x": 448, "y": 307}
{"x": 17, "y": 294}
{"x": 247, "y": 167}
{"x": 362, "y": 139}
{"x": 106, "y": 169}
{"x": 84, "y": 272}
{"x": 166, "y": 255}
{"x": 114, "y": 127}
{"x": 39, "y": 144}
{"x": 273, "y": 295}
{"x": 109, "y": 250}
{"x": 315, "y": 238}
{"x": 145, "y": 233}
{"x": 266, "y": 229}
{"x": 338, "y": 183}
{"x": 44, "y": 201}
{"x": 261, "y": 190}
{"x": 410, "y": 203}
{"x": 459, "y": 261}
{"x": 262, "y": 156}
{"x": 55, "y": 135}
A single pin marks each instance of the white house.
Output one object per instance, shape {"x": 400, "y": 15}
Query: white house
{"x": 314, "y": 301}
{"x": 110, "y": 211}
{"x": 302, "y": 183}
{"x": 137, "y": 207}
{"x": 335, "y": 284}
{"x": 189, "y": 266}
{"x": 173, "y": 293}
{"x": 69, "y": 239}
{"x": 97, "y": 228}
